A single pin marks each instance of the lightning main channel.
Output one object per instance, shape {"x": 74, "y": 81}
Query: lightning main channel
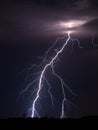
{"x": 42, "y": 78}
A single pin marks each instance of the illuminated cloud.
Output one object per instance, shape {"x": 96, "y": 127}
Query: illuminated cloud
{"x": 31, "y": 20}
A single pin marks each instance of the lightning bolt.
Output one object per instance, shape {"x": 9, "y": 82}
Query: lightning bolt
{"x": 42, "y": 78}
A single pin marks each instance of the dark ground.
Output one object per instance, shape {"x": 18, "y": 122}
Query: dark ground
{"x": 80, "y": 123}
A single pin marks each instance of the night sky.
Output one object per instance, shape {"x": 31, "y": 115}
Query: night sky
{"x": 27, "y": 29}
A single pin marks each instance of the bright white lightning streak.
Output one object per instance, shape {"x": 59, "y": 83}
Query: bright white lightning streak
{"x": 50, "y": 64}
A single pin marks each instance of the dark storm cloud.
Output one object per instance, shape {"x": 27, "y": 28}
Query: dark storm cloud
{"x": 92, "y": 25}
{"x": 78, "y": 4}
{"x": 25, "y": 20}
{"x": 81, "y": 5}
